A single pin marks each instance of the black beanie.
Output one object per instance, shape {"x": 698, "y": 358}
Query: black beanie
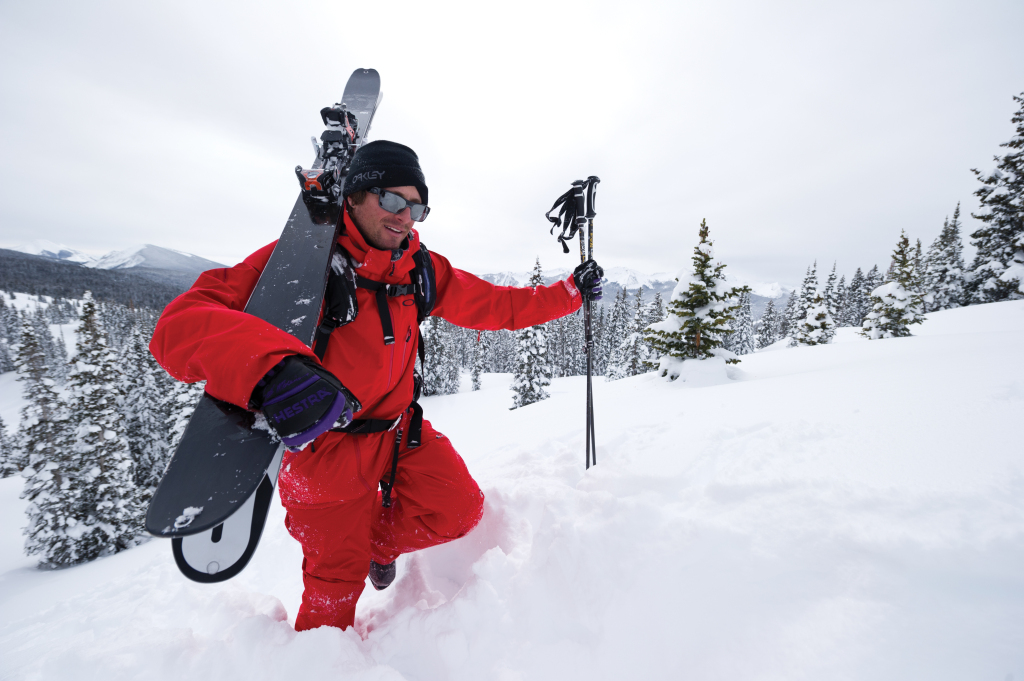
{"x": 385, "y": 164}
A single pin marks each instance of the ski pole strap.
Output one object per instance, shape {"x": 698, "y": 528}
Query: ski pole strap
{"x": 566, "y": 218}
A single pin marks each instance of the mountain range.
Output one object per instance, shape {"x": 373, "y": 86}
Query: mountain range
{"x": 179, "y": 269}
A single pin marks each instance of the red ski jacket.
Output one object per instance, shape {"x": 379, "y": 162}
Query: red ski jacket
{"x": 204, "y": 334}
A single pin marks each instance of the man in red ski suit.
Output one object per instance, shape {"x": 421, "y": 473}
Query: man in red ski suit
{"x": 330, "y": 487}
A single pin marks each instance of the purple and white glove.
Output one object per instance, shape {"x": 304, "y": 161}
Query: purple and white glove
{"x": 302, "y": 400}
{"x": 587, "y": 277}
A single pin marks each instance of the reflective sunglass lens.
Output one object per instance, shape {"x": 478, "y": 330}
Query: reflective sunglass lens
{"x": 392, "y": 203}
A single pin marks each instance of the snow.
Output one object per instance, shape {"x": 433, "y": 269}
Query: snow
{"x": 50, "y": 249}
{"x": 843, "y": 511}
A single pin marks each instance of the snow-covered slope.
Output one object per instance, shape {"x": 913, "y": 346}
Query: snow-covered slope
{"x": 54, "y": 251}
{"x": 156, "y": 257}
{"x": 852, "y": 511}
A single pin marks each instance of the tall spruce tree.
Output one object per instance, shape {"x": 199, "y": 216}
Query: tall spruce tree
{"x": 896, "y": 304}
{"x": 818, "y": 328}
{"x": 804, "y": 302}
{"x": 533, "y": 372}
{"x": 479, "y": 352}
{"x": 8, "y": 465}
{"x": 110, "y": 504}
{"x": 699, "y": 313}
{"x": 142, "y": 409}
{"x": 786, "y": 318}
{"x": 634, "y": 354}
{"x": 44, "y": 455}
{"x": 841, "y": 298}
{"x": 440, "y": 369}
{"x": 743, "y": 341}
{"x": 997, "y": 272}
{"x": 768, "y": 330}
{"x": 944, "y": 267}
{"x": 856, "y": 301}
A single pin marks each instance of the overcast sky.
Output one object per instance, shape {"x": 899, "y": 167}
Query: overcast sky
{"x": 799, "y": 130}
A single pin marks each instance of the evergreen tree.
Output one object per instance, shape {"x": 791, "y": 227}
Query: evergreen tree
{"x": 699, "y": 313}
{"x": 872, "y": 280}
{"x": 478, "y": 361}
{"x": 656, "y": 310}
{"x": 142, "y": 409}
{"x": 856, "y": 301}
{"x": 896, "y": 304}
{"x": 440, "y": 370}
{"x": 786, "y": 318}
{"x": 533, "y": 372}
{"x": 767, "y": 332}
{"x": 8, "y": 328}
{"x": 997, "y": 272}
{"x": 944, "y": 267}
{"x": 804, "y": 302}
{"x": 818, "y": 327}
{"x": 841, "y": 302}
{"x": 634, "y": 354}
{"x": 8, "y": 465}
{"x": 110, "y": 510}
{"x": 743, "y": 341}
{"x": 47, "y": 462}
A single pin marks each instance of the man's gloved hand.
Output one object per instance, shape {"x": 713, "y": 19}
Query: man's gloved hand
{"x": 302, "y": 400}
{"x": 587, "y": 277}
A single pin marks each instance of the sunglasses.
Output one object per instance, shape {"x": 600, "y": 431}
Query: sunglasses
{"x": 393, "y": 203}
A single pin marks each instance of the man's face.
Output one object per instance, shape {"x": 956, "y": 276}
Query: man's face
{"x": 380, "y": 228}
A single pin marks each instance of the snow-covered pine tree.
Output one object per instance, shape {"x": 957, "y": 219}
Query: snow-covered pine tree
{"x": 110, "y": 505}
{"x": 767, "y": 332}
{"x": 896, "y": 304}
{"x": 479, "y": 352}
{"x": 786, "y": 317}
{"x": 533, "y": 372}
{"x": 743, "y": 341}
{"x": 614, "y": 331}
{"x": 143, "y": 411}
{"x": 856, "y": 301}
{"x": 830, "y": 291}
{"x": 840, "y": 302}
{"x": 46, "y": 459}
{"x": 944, "y": 267}
{"x": 656, "y": 310}
{"x": 8, "y": 328}
{"x": 8, "y": 466}
{"x": 818, "y": 328}
{"x": 440, "y": 370}
{"x": 699, "y": 313}
{"x": 804, "y": 302}
{"x": 997, "y": 272}
{"x": 872, "y": 280}
{"x": 634, "y": 354}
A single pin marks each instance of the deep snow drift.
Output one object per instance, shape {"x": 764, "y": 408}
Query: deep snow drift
{"x": 853, "y": 511}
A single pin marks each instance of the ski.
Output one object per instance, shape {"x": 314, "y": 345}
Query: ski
{"x": 216, "y": 490}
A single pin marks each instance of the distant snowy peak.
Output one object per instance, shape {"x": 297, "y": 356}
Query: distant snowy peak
{"x": 157, "y": 257}
{"x": 54, "y": 251}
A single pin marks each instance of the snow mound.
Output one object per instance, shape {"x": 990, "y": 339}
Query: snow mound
{"x": 846, "y": 511}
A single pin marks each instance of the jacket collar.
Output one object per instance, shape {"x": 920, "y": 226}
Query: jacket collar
{"x": 373, "y": 263}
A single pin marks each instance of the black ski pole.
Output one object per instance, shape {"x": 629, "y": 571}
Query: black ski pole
{"x": 588, "y": 316}
{"x": 576, "y": 208}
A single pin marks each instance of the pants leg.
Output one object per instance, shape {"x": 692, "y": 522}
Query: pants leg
{"x": 334, "y": 511}
{"x": 435, "y": 500}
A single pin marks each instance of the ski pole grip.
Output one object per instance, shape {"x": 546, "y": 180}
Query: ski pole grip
{"x": 592, "y": 183}
{"x": 580, "y": 201}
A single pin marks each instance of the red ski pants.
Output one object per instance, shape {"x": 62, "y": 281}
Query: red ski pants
{"x": 330, "y": 491}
